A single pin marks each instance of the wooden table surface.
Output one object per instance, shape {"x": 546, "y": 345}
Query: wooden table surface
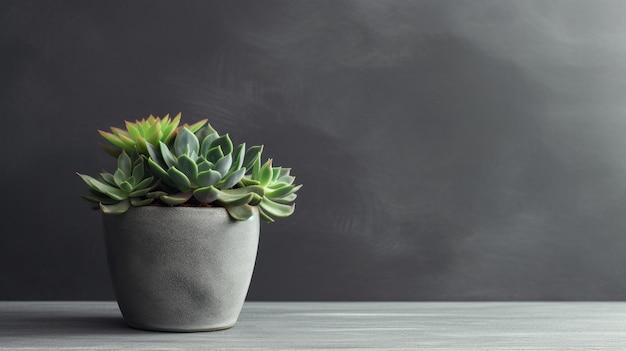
{"x": 330, "y": 326}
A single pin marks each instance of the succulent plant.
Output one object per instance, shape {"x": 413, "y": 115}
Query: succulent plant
{"x": 205, "y": 167}
{"x": 128, "y": 186}
{"x": 138, "y": 135}
{"x": 160, "y": 162}
{"x": 278, "y": 193}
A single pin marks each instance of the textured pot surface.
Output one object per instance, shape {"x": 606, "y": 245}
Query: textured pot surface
{"x": 180, "y": 268}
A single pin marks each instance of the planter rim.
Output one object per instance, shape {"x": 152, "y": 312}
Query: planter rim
{"x": 156, "y": 207}
{"x": 180, "y": 209}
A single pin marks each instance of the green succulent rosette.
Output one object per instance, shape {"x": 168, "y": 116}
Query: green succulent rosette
{"x": 128, "y": 186}
{"x": 160, "y": 162}
{"x": 206, "y": 168}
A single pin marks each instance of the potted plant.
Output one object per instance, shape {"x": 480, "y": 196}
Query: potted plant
{"x": 181, "y": 220}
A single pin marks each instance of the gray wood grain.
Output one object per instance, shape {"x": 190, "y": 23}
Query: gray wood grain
{"x": 330, "y": 326}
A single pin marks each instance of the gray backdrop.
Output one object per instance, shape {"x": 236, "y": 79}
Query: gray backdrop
{"x": 449, "y": 150}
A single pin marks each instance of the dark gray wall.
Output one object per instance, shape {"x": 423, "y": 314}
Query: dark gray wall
{"x": 450, "y": 150}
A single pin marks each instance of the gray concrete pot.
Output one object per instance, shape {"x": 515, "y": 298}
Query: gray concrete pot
{"x": 180, "y": 268}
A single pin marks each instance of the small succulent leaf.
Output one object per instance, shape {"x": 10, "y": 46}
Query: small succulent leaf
{"x": 165, "y": 120}
{"x": 214, "y": 154}
{"x": 132, "y": 129}
{"x": 146, "y": 184}
{"x": 206, "y": 194}
{"x": 240, "y": 154}
{"x": 154, "y": 153}
{"x": 155, "y": 194}
{"x": 281, "y": 192}
{"x": 287, "y": 199}
{"x": 119, "y": 176}
{"x": 103, "y": 188}
{"x": 275, "y": 174}
{"x": 232, "y": 179}
{"x": 206, "y": 143}
{"x": 157, "y": 136}
{"x": 196, "y": 126}
{"x": 256, "y": 169}
{"x": 277, "y": 185}
{"x": 141, "y": 125}
{"x": 113, "y": 139}
{"x": 124, "y": 163}
{"x": 188, "y": 167}
{"x": 126, "y": 187}
{"x": 168, "y": 135}
{"x": 248, "y": 182}
{"x": 204, "y": 165}
{"x": 99, "y": 199}
{"x": 240, "y": 213}
{"x": 117, "y": 208}
{"x": 160, "y": 173}
{"x": 141, "y": 145}
{"x": 168, "y": 156}
{"x": 208, "y": 178}
{"x": 176, "y": 199}
{"x": 139, "y": 193}
{"x": 287, "y": 179}
{"x": 284, "y": 172}
{"x": 169, "y": 129}
{"x": 130, "y": 143}
{"x": 138, "y": 202}
{"x": 265, "y": 174}
{"x": 137, "y": 159}
{"x": 210, "y": 130}
{"x": 277, "y": 209}
{"x": 152, "y": 132}
{"x": 265, "y": 216}
{"x": 179, "y": 178}
{"x": 108, "y": 178}
{"x": 225, "y": 143}
{"x": 256, "y": 199}
{"x": 200, "y": 134}
{"x": 255, "y": 189}
{"x": 223, "y": 164}
{"x": 193, "y": 155}
{"x": 252, "y": 155}
{"x": 120, "y": 132}
{"x": 176, "y": 120}
{"x": 186, "y": 142}
{"x": 230, "y": 199}
{"x": 113, "y": 151}
{"x": 138, "y": 170}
